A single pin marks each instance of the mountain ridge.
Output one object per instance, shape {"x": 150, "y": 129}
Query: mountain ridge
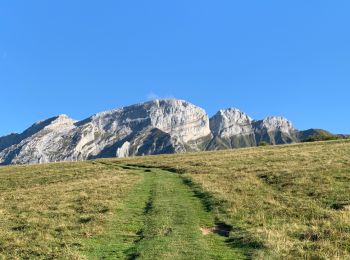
{"x": 153, "y": 127}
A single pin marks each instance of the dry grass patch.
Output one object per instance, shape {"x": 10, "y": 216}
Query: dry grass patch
{"x": 293, "y": 198}
{"x": 48, "y": 211}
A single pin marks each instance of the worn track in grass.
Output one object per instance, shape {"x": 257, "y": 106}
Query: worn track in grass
{"x": 163, "y": 218}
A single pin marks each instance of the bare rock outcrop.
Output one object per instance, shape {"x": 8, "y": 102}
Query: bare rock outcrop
{"x": 159, "y": 126}
{"x": 154, "y": 127}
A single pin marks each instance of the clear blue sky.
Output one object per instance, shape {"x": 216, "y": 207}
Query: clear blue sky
{"x": 289, "y": 58}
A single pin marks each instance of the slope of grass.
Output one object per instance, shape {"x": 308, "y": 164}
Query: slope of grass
{"x": 161, "y": 219}
{"x": 124, "y": 227}
{"x": 272, "y": 202}
{"x": 49, "y": 211}
{"x": 294, "y": 199}
{"x": 172, "y": 225}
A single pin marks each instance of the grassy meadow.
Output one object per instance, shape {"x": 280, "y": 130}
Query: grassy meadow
{"x": 290, "y": 202}
{"x": 50, "y": 211}
{"x": 274, "y": 202}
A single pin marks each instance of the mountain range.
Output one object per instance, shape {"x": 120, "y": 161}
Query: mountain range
{"x": 154, "y": 127}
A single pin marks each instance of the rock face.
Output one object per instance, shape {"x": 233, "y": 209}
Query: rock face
{"x": 160, "y": 126}
{"x": 39, "y": 142}
{"x": 232, "y": 129}
{"x": 155, "y": 127}
{"x": 231, "y": 122}
{"x": 275, "y": 130}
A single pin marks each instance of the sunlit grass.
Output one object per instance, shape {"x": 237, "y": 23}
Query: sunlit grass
{"x": 289, "y": 202}
{"x": 49, "y": 211}
{"x": 293, "y": 198}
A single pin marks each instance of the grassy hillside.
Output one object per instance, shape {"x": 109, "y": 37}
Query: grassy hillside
{"x": 288, "y": 202}
{"x": 49, "y": 211}
{"x": 314, "y": 135}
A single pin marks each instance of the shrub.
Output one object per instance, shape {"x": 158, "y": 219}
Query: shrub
{"x": 263, "y": 143}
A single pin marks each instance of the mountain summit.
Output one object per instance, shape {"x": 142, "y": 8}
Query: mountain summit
{"x": 154, "y": 127}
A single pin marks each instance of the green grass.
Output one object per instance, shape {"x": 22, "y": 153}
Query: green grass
{"x": 162, "y": 219}
{"x": 292, "y": 199}
{"x": 274, "y": 202}
{"x": 122, "y": 230}
{"x": 50, "y": 211}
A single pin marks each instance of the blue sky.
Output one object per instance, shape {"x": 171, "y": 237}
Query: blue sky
{"x": 289, "y": 58}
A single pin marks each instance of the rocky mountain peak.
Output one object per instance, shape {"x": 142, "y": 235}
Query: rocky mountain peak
{"x": 59, "y": 123}
{"x": 153, "y": 127}
{"x": 277, "y": 123}
{"x": 185, "y": 120}
{"x": 179, "y": 118}
{"x": 62, "y": 119}
{"x": 229, "y": 122}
